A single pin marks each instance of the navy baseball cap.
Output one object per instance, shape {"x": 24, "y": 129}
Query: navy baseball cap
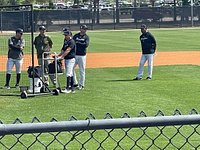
{"x": 84, "y": 26}
{"x": 19, "y": 30}
{"x": 42, "y": 28}
{"x": 66, "y": 29}
{"x": 143, "y": 26}
{"x": 67, "y": 33}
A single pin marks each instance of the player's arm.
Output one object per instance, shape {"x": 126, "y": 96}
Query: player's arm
{"x": 50, "y": 42}
{"x": 87, "y": 41}
{"x": 35, "y": 42}
{"x": 11, "y": 44}
{"x": 64, "y": 53}
{"x": 22, "y": 44}
{"x": 153, "y": 42}
{"x": 66, "y": 50}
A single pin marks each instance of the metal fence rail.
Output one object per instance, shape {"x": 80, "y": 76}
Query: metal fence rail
{"x": 160, "y": 132}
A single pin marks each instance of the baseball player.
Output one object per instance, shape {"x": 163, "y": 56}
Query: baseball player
{"x": 68, "y": 52}
{"x": 148, "y": 44}
{"x": 82, "y": 42}
{"x": 15, "y": 57}
{"x": 43, "y": 43}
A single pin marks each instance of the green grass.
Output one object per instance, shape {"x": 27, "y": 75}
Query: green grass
{"x": 128, "y": 40}
{"x": 112, "y": 90}
{"x": 125, "y": 41}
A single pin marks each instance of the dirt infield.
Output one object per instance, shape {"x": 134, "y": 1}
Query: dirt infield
{"x": 129, "y": 59}
{"x": 125, "y": 59}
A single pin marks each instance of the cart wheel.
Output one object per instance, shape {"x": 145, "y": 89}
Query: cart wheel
{"x": 55, "y": 92}
{"x": 24, "y": 95}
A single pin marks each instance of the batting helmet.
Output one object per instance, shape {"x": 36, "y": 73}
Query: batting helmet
{"x": 84, "y": 26}
{"x": 42, "y": 28}
{"x": 19, "y": 30}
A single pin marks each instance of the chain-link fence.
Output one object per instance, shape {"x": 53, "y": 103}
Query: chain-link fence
{"x": 107, "y": 18}
{"x": 142, "y": 132}
{"x": 112, "y": 18}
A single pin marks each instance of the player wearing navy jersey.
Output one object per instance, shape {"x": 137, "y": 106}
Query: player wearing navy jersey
{"x": 82, "y": 42}
{"x": 15, "y": 57}
{"x": 68, "y": 52}
{"x": 148, "y": 44}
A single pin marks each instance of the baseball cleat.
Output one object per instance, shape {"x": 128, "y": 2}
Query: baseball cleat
{"x": 16, "y": 86}
{"x": 7, "y": 87}
{"x": 137, "y": 78}
{"x": 81, "y": 87}
{"x": 67, "y": 91}
{"x": 148, "y": 78}
{"x": 75, "y": 85}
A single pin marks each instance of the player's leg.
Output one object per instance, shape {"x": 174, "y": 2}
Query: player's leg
{"x": 82, "y": 64}
{"x": 18, "y": 65}
{"x": 141, "y": 66}
{"x": 150, "y": 65}
{"x": 9, "y": 67}
{"x": 69, "y": 65}
{"x": 74, "y": 71}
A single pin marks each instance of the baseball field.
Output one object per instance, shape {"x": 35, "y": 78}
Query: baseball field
{"x": 112, "y": 62}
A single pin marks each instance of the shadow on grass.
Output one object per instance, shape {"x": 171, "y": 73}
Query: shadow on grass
{"x": 10, "y": 94}
{"x": 120, "y": 80}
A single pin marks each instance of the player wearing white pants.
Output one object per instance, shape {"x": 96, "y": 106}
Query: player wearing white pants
{"x": 149, "y": 59}
{"x": 69, "y": 65}
{"x": 15, "y": 57}
{"x": 68, "y": 53}
{"x": 81, "y": 62}
{"x": 14, "y": 62}
{"x": 148, "y": 44}
{"x": 82, "y": 42}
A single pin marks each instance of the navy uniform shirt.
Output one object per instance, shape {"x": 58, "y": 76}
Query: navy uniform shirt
{"x": 69, "y": 43}
{"x": 13, "y": 52}
{"x": 148, "y": 43}
{"x": 82, "y": 42}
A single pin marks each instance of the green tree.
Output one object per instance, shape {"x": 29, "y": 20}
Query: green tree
{"x": 3, "y": 2}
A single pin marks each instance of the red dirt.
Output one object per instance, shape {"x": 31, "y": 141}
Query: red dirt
{"x": 129, "y": 59}
{"x": 125, "y": 59}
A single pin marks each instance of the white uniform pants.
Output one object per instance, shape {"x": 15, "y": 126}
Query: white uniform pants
{"x": 69, "y": 66}
{"x": 149, "y": 59}
{"x": 11, "y": 62}
{"x": 81, "y": 62}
